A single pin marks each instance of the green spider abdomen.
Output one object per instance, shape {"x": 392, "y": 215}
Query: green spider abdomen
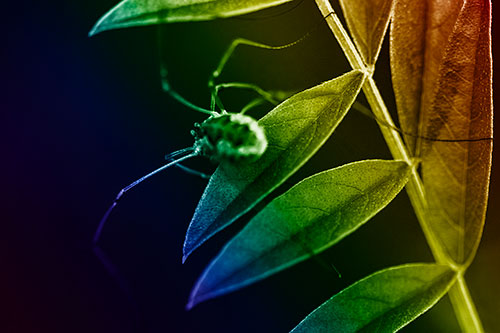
{"x": 230, "y": 136}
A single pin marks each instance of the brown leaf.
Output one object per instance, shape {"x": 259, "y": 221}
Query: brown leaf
{"x": 418, "y": 32}
{"x": 367, "y": 21}
{"x": 451, "y": 96}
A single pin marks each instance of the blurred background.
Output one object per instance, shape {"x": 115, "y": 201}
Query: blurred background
{"x": 84, "y": 117}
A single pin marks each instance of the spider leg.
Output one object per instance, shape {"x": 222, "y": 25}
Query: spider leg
{"x": 165, "y": 85}
{"x": 252, "y": 104}
{"x": 191, "y": 171}
{"x": 214, "y": 88}
{"x": 367, "y": 112}
{"x": 190, "y": 153}
{"x": 242, "y": 41}
{"x": 266, "y": 95}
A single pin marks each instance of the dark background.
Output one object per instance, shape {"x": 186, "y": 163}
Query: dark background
{"x": 84, "y": 117}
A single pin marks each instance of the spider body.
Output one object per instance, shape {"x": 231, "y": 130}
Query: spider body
{"x": 230, "y": 137}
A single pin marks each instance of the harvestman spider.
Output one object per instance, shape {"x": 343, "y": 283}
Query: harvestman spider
{"x": 225, "y": 136}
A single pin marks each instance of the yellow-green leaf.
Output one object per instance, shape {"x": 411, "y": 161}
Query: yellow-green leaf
{"x": 131, "y": 13}
{"x": 313, "y": 215}
{"x": 295, "y": 130}
{"x": 385, "y": 301}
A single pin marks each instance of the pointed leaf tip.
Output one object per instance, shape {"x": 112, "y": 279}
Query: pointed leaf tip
{"x": 313, "y": 215}
{"x": 385, "y": 301}
{"x": 94, "y": 31}
{"x": 295, "y": 130}
{"x": 195, "y": 297}
{"x": 367, "y": 21}
{"x": 132, "y": 13}
{"x": 190, "y": 304}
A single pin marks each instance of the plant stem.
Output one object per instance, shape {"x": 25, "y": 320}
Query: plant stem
{"x": 393, "y": 139}
{"x": 464, "y": 306}
{"x": 462, "y": 303}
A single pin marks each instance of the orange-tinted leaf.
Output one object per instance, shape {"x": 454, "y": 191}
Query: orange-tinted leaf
{"x": 456, "y": 175}
{"x": 419, "y": 31}
{"x": 367, "y": 21}
{"x": 454, "y": 102}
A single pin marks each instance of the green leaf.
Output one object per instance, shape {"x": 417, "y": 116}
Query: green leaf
{"x": 385, "y": 301}
{"x": 132, "y": 13}
{"x": 312, "y": 216}
{"x": 454, "y": 103}
{"x": 295, "y": 130}
{"x": 367, "y": 21}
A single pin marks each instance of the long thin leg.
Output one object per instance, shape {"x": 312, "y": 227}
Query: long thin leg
{"x": 367, "y": 112}
{"x": 229, "y": 52}
{"x": 191, "y": 171}
{"x": 165, "y": 85}
{"x": 273, "y": 97}
{"x": 192, "y": 153}
{"x": 268, "y": 96}
{"x": 242, "y": 41}
{"x": 253, "y": 103}
{"x": 265, "y": 95}
{"x": 123, "y": 285}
